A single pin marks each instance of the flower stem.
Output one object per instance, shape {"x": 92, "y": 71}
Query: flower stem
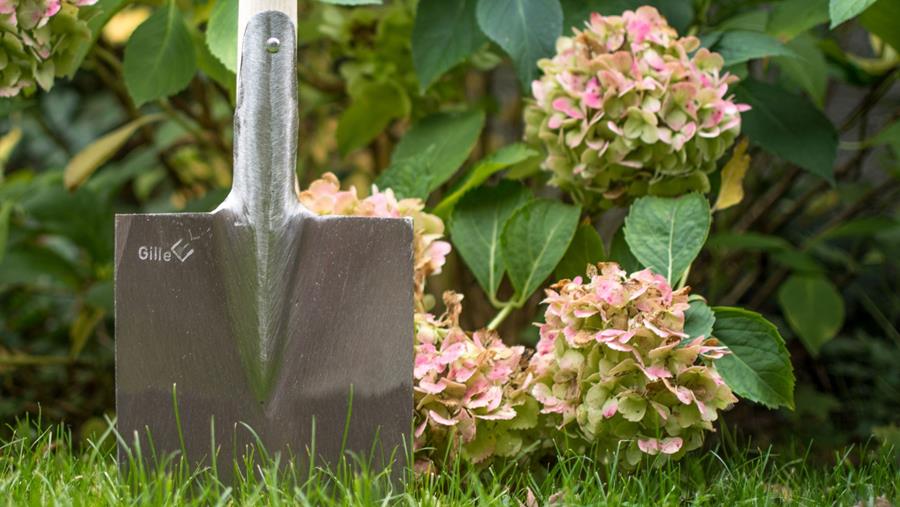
{"x": 500, "y": 317}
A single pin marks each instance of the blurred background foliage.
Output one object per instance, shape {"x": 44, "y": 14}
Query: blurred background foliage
{"x": 814, "y": 243}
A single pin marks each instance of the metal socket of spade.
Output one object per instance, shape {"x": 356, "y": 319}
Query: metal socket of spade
{"x": 262, "y": 315}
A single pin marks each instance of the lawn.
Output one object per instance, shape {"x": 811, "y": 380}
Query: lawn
{"x": 47, "y": 468}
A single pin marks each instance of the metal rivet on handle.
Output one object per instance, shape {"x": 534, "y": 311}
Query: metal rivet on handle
{"x": 273, "y": 44}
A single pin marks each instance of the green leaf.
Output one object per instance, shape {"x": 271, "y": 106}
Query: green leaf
{"x": 36, "y": 266}
{"x": 221, "y": 33}
{"x": 750, "y": 241}
{"x": 843, "y": 10}
{"x": 699, "y": 320}
{"x": 159, "y": 56}
{"x": 534, "y": 240}
{"x": 586, "y": 248}
{"x": 813, "y": 308}
{"x": 881, "y": 19}
{"x": 809, "y": 70}
{"x": 759, "y": 366}
{"x": 5, "y": 213}
{"x": 97, "y": 15}
{"x": 82, "y": 328}
{"x": 754, "y": 20}
{"x": 526, "y": 29}
{"x": 739, "y": 46}
{"x": 666, "y": 234}
{"x": 497, "y": 161}
{"x": 793, "y": 17}
{"x": 212, "y": 67}
{"x": 862, "y": 227}
{"x": 445, "y": 34}
{"x": 408, "y": 177}
{"x": 94, "y": 155}
{"x": 789, "y": 126}
{"x": 889, "y": 136}
{"x": 476, "y": 225}
{"x": 451, "y": 136}
{"x": 374, "y": 106}
{"x": 621, "y": 254}
{"x": 797, "y": 261}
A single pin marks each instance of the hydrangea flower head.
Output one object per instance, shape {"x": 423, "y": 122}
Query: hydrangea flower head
{"x": 614, "y": 364}
{"x": 626, "y": 108}
{"x": 325, "y": 197}
{"x": 39, "y": 41}
{"x": 470, "y": 390}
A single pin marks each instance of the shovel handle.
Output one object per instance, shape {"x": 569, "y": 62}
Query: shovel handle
{"x": 248, "y": 8}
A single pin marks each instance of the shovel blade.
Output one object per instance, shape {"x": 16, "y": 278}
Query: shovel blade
{"x": 186, "y": 353}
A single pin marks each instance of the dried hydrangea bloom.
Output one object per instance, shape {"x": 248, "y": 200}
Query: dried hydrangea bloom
{"x": 325, "y": 197}
{"x": 39, "y": 41}
{"x": 470, "y": 390}
{"x": 614, "y": 364}
{"x": 626, "y": 108}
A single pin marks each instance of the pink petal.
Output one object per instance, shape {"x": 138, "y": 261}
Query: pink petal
{"x": 438, "y": 418}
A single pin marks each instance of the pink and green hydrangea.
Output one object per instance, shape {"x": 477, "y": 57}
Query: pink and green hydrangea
{"x": 615, "y": 367}
{"x": 627, "y": 108}
{"x": 39, "y": 41}
{"x": 470, "y": 391}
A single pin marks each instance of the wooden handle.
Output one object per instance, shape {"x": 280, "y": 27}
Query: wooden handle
{"x": 247, "y": 8}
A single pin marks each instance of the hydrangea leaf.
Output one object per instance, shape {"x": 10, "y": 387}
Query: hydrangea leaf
{"x": 739, "y": 46}
{"x": 5, "y": 213}
{"x": 843, "y": 10}
{"x": 508, "y": 444}
{"x": 451, "y": 136}
{"x": 373, "y": 107}
{"x": 534, "y": 240}
{"x": 526, "y": 415}
{"x": 881, "y": 20}
{"x": 666, "y": 234}
{"x": 481, "y": 448}
{"x": 484, "y": 169}
{"x": 159, "y": 57}
{"x": 699, "y": 320}
{"x": 789, "y": 126}
{"x": 621, "y": 254}
{"x": 445, "y": 34}
{"x": 749, "y": 241}
{"x": 221, "y": 33}
{"x": 793, "y": 17}
{"x": 759, "y": 366}
{"x": 409, "y": 177}
{"x": 810, "y": 70}
{"x": 731, "y": 191}
{"x": 96, "y": 15}
{"x": 813, "y": 308}
{"x": 586, "y": 248}
{"x": 525, "y": 29}
{"x": 476, "y": 225}
{"x": 94, "y": 155}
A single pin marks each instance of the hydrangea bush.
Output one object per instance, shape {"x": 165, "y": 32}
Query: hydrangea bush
{"x": 614, "y": 364}
{"x": 40, "y": 41}
{"x": 627, "y": 108}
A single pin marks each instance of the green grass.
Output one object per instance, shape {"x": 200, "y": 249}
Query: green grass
{"x": 44, "y": 468}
